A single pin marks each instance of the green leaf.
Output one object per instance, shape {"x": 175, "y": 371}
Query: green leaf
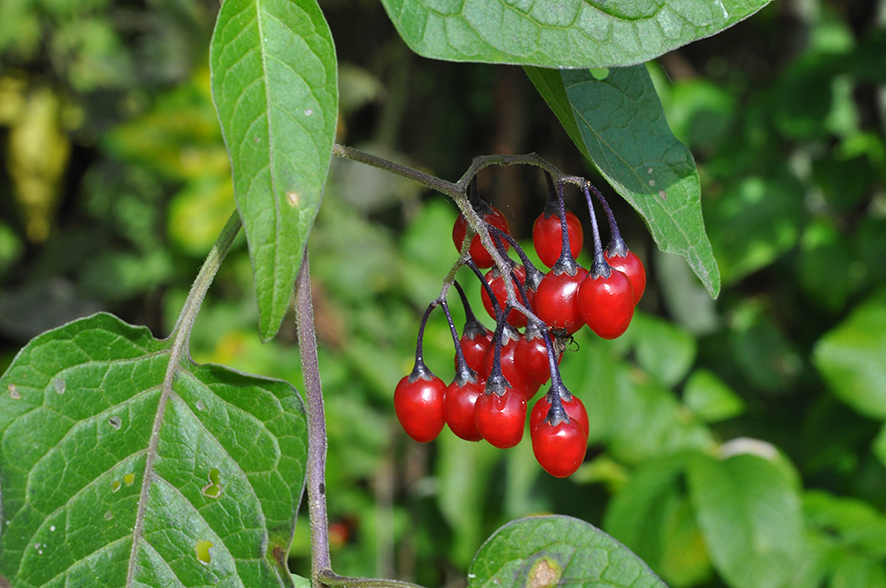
{"x": 850, "y": 357}
{"x": 855, "y": 522}
{"x": 748, "y": 509}
{"x": 120, "y": 459}
{"x": 565, "y": 33}
{"x": 275, "y": 88}
{"x": 710, "y": 398}
{"x": 663, "y": 349}
{"x": 618, "y": 123}
{"x": 546, "y": 551}
{"x": 651, "y": 515}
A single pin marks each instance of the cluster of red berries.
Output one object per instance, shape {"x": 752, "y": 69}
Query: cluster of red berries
{"x": 497, "y": 373}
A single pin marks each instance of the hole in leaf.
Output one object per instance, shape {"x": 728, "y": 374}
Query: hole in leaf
{"x": 128, "y": 479}
{"x": 115, "y": 485}
{"x": 13, "y": 392}
{"x": 115, "y": 422}
{"x": 59, "y": 385}
{"x": 202, "y": 549}
{"x": 213, "y": 489}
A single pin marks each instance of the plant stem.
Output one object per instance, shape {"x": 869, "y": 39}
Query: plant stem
{"x": 321, "y": 566}
{"x": 316, "y": 473}
{"x": 185, "y": 322}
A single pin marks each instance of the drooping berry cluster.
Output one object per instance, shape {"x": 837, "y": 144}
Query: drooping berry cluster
{"x": 498, "y": 372}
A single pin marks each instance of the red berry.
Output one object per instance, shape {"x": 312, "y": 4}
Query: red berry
{"x": 631, "y": 266}
{"x": 547, "y": 236}
{"x": 575, "y": 410}
{"x": 532, "y": 356}
{"x": 560, "y": 449}
{"x": 556, "y": 303}
{"x": 419, "y": 407}
{"x": 474, "y": 346}
{"x": 501, "y": 419}
{"x": 479, "y": 254}
{"x": 607, "y": 304}
{"x": 497, "y": 282}
{"x": 458, "y": 409}
{"x": 511, "y": 369}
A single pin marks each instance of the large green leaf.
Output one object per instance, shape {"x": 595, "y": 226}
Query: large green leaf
{"x": 651, "y": 515}
{"x": 616, "y": 120}
{"x": 124, "y": 463}
{"x": 560, "y": 33}
{"x": 851, "y": 358}
{"x": 748, "y": 509}
{"x": 275, "y": 88}
{"x": 547, "y": 551}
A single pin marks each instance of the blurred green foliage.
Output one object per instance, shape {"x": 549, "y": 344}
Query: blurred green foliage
{"x": 125, "y": 183}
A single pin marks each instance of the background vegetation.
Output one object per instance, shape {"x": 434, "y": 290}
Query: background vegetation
{"x": 115, "y": 182}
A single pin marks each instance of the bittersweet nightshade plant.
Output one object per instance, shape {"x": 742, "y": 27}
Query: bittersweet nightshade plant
{"x": 125, "y": 463}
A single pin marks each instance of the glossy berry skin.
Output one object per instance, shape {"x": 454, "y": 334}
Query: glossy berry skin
{"x": 501, "y": 419}
{"x": 511, "y": 369}
{"x": 532, "y": 357}
{"x": 496, "y": 281}
{"x": 574, "y": 407}
{"x": 419, "y": 407}
{"x": 547, "y": 237}
{"x": 556, "y": 301}
{"x": 479, "y": 254}
{"x": 607, "y": 304}
{"x": 560, "y": 449}
{"x": 458, "y": 409}
{"x": 631, "y": 266}
{"x": 474, "y": 346}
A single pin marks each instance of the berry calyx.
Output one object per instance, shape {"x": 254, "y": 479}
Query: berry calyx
{"x": 572, "y": 406}
{"x": 490, "y": 215}
{"x": 512, "y": 370}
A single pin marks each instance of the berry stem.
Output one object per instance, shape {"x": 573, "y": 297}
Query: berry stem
{"x": 485, "y": 285}
{"x": 533, "y": 274}
{"x": 599, "y": 267}
{"x": 463, "y": 373}
{"x": 420, "y": 370}
{"x": 496, "y": 383}
{"x": 617, "y": 245}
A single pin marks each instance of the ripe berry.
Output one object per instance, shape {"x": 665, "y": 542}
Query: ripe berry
{"x": 574, "y": 407}
{"x": 513, "y": 371}
{"x": 555, "y": 301}
{"x": 607, "y": 304}
{"x": 630, "y": 265}
{"x": 497, "y": 282}
{"x": 491, "y": 215}
{"x": 532, "y": 355}
{"x": 418, "y": 402}
{"x": 459, "y": 407}
{"x": 560, "y": 449}
{"x": 501, "y": 418}
{"x": 547, "y": 236}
